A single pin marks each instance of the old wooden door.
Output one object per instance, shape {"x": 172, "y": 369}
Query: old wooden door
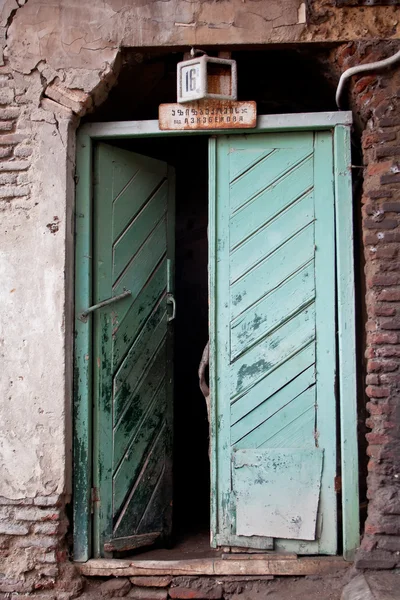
{"x": 133, "y": 236}
{"x": 273, "y": 355}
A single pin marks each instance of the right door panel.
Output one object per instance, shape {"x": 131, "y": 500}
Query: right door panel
{"x": 273, "y": 354}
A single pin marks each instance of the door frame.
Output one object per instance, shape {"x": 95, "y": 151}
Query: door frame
{"x": 87, "y": 135}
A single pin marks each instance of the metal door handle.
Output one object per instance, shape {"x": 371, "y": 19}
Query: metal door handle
{"x": 85, "y": 313}
{"x": 171, "y": 300}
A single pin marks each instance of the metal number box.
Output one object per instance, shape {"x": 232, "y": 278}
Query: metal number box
{"x": 206, "y": 77}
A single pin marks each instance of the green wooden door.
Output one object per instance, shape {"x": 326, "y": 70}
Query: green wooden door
{"x": 273, "y": 354}
{"x": 133, "y": 225}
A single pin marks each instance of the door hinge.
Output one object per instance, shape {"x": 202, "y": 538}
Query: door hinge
{"x": 94, "y": 497}
{"x": 338, "y": 484}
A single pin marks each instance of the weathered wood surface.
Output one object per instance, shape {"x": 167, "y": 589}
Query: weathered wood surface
{"x": 133, "y": 198}
{"x": 131, "y": 542}
{"x": 273, "y": 338}
{"x": 211, "y": 566}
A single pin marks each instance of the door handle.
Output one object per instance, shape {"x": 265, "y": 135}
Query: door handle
{"x": 171, "y": 300}
{"x": 83, "y": 316}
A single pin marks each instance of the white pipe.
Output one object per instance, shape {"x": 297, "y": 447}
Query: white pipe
{"x": 374, "y": 66}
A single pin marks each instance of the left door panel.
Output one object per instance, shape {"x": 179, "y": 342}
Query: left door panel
{"x": 133, "y": 250}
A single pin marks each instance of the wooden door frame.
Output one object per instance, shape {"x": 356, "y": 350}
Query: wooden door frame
{"x": 340, "y": 124}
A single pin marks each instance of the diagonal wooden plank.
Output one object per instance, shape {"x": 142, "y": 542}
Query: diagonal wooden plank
{"x": 279, "y": 425}
{"x": 277, "y": 379}
{"x": 138, "y": 406}
{"x": 272, "y": 271}
{"x": 143, "y": 263}
{"x": 148, "y": 175}
{"x": 136, "y": 449}
{"x": 271, "y": 202}
{"x": 139, "y": 229}
{"x": 240, "y": 160}
{"x": 272, "y": 404}
{"x": 299, "y": 433}
{"x": 271, "y": 236}
{"x": 282, "y": 303}
{"x": 264, "y": 174}
{"x": 129, "y": 327}
{"x": 273, "y": 350}
{"x": 141, "y": 492}
{"x": 139, "y": 357}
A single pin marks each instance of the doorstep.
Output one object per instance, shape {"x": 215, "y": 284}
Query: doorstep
{"x": 226, "y": 564}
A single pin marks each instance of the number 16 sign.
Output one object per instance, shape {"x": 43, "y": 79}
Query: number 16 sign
{"x": 206, "y": 77}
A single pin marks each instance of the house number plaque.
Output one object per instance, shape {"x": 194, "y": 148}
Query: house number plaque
{"x": 208, "y": 114}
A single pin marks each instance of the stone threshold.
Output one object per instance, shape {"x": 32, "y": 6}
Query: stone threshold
{"x": 260, "y": 564}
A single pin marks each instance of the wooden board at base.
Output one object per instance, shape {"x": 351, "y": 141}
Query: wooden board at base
{"x": 207, "y": 114}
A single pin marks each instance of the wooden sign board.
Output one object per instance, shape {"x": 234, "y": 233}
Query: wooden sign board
{"x": 208, "y": 114}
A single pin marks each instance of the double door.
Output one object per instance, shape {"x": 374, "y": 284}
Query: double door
{"x": 273, "y": 344}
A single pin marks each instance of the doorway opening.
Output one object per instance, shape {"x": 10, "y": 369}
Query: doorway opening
{"x": 189, "y": 156}
{"x": 191, "y": 466}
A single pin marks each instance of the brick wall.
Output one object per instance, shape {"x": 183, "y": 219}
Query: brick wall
{"x": 375, "y": 101}
{"x": 31, "y": 537}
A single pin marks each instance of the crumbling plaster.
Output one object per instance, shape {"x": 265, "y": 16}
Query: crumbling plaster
{"x": 63, "y": 58}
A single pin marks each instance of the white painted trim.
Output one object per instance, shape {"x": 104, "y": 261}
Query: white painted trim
{"x": 297, "y": 121}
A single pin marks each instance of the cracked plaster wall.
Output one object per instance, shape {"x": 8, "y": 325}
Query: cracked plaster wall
{"x": 59, "y": 57}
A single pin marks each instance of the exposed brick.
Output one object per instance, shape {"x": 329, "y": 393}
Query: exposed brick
{"x": 374, "y": 391}
{"x": 6, "y": 96}
{"x": 374, "y": 366}
{"x": 372, "y": 379}
{"x": 6, "y": 125}
{"x": 49, "y": 557}
{"x": 383, "y": 224}
{"x": 389, "y": 122}
{"x": 388, "y": 151}
{"x": 115, "y": 588}
{"x": 383, "y": 279}
{"x": 12, "y": 138}
{"x": 363, "y": 83}
{"x": 390, "y": 324}
{"x": 152, "y": 581}
{"x": 376, "y": 438}
{"x": 37, "y": 514}
{"x": 392, "y": 178}
{"x": 183, "y": 593}
{"x": 10, "y": 528}
{"x": 14, "y": 165}
{"x": 379, "y": 168}
{"x": 15, "y": 502}
{"x": 390, "y": 378}
{"x": 377, "y": 194}
{"x": 9, "y": 113}
{"x": 46, "y": 528}
{"x": 145, "y": 593}
{"x": 14, "y": 191}
{"x": 386, "y": 136}
{"x": 46, "y": 501}
{"x": 391, "y": 207}
{"x": 384, "y": 311}
{"x": 37, "y": 541}
{"x": 378, "y": 409}
{"x": 389, "y": 296}
{"x": 383, "y": 338}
